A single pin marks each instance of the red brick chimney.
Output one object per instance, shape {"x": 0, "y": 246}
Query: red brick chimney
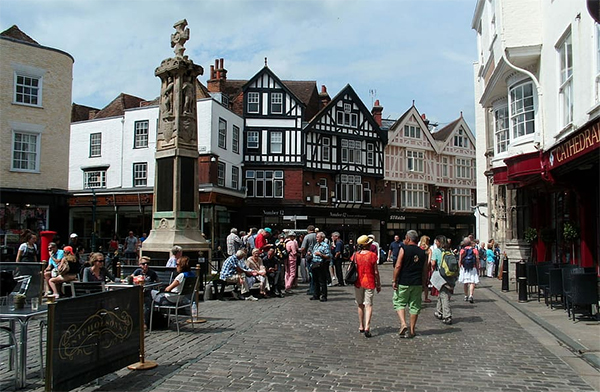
{"x": 376, "y": 112}
{"x": 425, "y": 120}
{"x": 324, "y": 96}
{"x": 218, "y": 77}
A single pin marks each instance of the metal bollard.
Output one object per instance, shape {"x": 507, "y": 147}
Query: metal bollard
{"x": 522, "y": 280}
{"x": 505, "y": 275}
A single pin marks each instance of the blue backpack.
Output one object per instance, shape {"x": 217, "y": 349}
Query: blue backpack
{"x": 468, "y": 261}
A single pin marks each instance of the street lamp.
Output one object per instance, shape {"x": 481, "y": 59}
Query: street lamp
{"x": 93, "y": 220}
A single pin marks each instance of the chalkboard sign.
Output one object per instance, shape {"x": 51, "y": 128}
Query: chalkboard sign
{"x": 91, "y": 336}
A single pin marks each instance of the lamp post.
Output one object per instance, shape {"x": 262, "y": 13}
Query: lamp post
{"x": 93, "y": 220}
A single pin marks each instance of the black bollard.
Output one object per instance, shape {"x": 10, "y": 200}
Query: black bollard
{"x": 522, "y": 280}
{"x": 505, "y": 276}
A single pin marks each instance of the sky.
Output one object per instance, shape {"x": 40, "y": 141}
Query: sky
{"x": 396, "y": 51}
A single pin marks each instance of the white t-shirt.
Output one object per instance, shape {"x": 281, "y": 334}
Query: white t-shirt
{"x": 174, "y": 294}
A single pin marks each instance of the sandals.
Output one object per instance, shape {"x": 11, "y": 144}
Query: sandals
{"x": 367, "y": 333}
{"x": 403, "y": 330}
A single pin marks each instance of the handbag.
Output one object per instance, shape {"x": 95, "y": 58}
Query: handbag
{"x": 351, "y": 275}
{"x": 63, "y": 268}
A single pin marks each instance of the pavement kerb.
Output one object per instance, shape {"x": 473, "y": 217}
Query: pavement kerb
{"x": 591, "y": 358}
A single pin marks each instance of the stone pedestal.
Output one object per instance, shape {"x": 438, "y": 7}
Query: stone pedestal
{"x": 516, "y": 251}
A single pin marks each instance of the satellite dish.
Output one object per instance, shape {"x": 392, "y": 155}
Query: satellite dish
{"x": 593, "y": 7}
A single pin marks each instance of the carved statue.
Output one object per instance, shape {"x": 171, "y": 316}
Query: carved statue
{"x": 168, "y": 97}
{"x": 187, "y": 92}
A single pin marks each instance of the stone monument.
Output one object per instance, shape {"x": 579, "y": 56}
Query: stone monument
{"x": 175, "y": 212}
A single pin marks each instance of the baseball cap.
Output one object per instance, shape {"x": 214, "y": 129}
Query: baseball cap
{"x": 268, "y": 230}
{"x": 68, "y": 249}
{"x": 73, "y": 235}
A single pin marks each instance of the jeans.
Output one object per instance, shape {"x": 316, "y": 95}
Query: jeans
{"x": 338, "y": 271}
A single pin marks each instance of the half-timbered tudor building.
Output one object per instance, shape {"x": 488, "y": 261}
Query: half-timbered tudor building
{"x": 343, "y": 175}
{"x": 430, "y": 177}
{"x": 274, "y": 113}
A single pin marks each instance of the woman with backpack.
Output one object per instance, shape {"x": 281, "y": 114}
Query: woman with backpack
{"x": 442, "y": 308}
{"x": 469, "y": 266}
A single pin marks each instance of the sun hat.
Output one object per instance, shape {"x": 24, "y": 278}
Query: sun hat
{"x": 364, "y": 240}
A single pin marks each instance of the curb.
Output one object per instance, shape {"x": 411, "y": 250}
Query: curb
{"x": 591, "y": 358}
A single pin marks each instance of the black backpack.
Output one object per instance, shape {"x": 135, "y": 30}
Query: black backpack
{"x": 468, "y": 260}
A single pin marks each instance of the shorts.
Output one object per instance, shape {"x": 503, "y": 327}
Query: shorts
{"x": 364, "y": 296}
{"x": 408, "y": 296}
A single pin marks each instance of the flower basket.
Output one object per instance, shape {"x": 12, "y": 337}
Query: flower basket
{"x": 570, "y": 232}
{"x": 530, "y": 235}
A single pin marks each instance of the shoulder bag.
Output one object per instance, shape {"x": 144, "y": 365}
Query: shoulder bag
{"x": 351, "y": 275}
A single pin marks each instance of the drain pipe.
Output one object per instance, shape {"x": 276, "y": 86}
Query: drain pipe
{"x": 538, "y": 139}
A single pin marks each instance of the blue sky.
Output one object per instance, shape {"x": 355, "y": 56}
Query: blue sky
{"x": 395, "y": 51}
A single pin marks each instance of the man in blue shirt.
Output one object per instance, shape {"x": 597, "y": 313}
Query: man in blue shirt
{"x": 394, "y": 250}
{"x": 51, "y": 271}
{"x": 235, "y": 271}
{"x": 320, "y": 261}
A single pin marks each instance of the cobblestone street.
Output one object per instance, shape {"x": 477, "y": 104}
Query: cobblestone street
{"x": 294, "y": 344}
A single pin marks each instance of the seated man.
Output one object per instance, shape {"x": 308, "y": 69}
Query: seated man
{"x": 235, "y": 271}
{"x": 150, "y": 276}
{"x": 272, "y": 266}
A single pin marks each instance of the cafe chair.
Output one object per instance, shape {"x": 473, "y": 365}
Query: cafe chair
{"x": 11, "y": 346}
{"x": 184, "y": 300}
{"x": 85, "y": 288}
{"x": 567, "y": 279}
{"x": 542, "y": 273}
{"x": 555, "y": 288}
{"x": 583, "y": 295}
{"x": 531, "y": 278}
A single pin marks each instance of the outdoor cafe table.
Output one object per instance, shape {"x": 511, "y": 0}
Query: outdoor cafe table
{"x": 146, "y": 286}
{"x": 23, "y": 316}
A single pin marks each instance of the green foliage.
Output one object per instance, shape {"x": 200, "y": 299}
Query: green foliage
{"x": 570, "y": 232}
{"x": 530, "y": 235}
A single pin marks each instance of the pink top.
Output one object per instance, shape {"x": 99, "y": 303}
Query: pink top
{"x": 292, "y": 248}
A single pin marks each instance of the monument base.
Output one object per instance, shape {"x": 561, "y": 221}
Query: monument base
{"x": 159, "y": 243}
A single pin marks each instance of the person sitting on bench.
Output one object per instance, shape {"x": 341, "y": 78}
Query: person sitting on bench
{"x": 235, "y": 271}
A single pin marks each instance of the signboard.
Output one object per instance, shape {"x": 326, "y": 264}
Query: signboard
{"x": 580, "y": 144}
{"x": 91, "y": 336}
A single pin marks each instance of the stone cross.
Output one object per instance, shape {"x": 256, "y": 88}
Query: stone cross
{"x": 179, "y": 37}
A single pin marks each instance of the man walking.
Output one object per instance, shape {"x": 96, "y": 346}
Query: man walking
{"x": 337, "y": 250}
{"x": 410, "y": 279}
{"x": 394, "y": 250}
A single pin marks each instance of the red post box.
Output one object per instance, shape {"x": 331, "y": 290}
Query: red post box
{"x": 46, "y": 237}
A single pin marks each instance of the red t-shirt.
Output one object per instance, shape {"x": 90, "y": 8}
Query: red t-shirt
{"x": 260, "y": 242}
{"x": 365, "y": 264}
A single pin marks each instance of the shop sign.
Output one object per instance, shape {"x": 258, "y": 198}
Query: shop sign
{"x": 273, "y": 212}
{"x": 578, "y": 145}
{"x": 397, "y": 217}
{"x": 346, "y": 215}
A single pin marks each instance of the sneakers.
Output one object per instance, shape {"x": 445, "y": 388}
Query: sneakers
{"x": 471, "y": 299}
{"x": 466, "y": 298}
{"x": 251, "y": 298}
{"x": 438, "y": 315}
{"x": 447, "y": 321}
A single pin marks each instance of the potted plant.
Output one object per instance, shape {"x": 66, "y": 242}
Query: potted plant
{"x": 570, "y": 232}
{"x": 530, "y": 235}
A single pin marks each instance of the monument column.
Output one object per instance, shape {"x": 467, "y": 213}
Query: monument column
{"x": 175, "y": 212}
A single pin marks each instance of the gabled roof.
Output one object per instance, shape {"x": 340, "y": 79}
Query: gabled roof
{"x": 445, "y": 134}
{"x": 118, "y": 105}
{"x": 267, "y": 70}
{"x": 82, "y": 112}
{"x": 412, "y": 111}
{"x": 16, "y": 34}
{"x": 356, "y": 99}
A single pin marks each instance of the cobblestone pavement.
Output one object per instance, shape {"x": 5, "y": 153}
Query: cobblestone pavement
{"x": 294, "y": 344}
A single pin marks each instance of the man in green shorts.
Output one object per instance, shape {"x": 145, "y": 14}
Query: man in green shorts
{"x": 410, "y": 279}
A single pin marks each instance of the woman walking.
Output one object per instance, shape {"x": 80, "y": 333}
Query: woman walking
{"x": 291, "y": 246}
{"x": 424, "y": 244}
{"x": 469, "y": 266}
{"x": 367, "y": 282}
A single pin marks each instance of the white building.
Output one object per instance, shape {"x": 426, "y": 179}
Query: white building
{"x": 537, "y": 109}
{"x": 112, "y": 163}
